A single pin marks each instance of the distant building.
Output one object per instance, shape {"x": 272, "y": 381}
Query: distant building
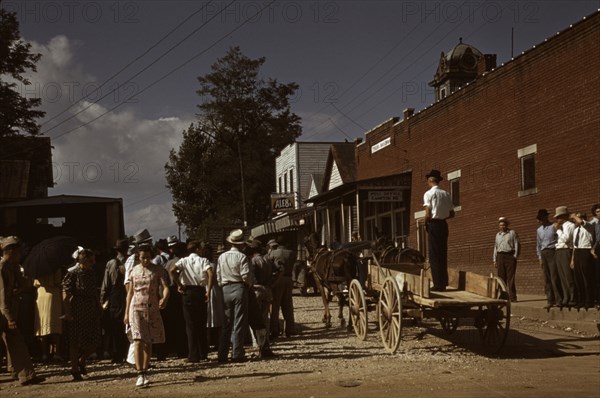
{"x": 25, "y": 168}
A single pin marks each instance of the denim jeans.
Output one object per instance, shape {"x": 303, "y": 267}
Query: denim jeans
{"x": 235, "y": 300}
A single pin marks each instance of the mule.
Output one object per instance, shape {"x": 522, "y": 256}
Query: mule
{"x": 331, "y": 270}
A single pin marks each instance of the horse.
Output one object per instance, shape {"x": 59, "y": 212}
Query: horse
{"x": 331, "y": 269}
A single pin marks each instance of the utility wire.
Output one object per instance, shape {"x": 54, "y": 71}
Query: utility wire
{"x": 225, "y": 36}
{"x": 143, "y": 69}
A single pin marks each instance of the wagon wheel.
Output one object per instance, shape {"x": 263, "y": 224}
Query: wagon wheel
{"x": 495, "y": 322}
{"x": 390, "y": 314}
{"x": 358, "y": 309}
{"x": 449, "y": 324}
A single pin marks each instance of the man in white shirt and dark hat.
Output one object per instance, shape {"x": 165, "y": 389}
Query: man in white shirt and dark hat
{"x": 438, "y": 208}
{"x": 582, "y": 261}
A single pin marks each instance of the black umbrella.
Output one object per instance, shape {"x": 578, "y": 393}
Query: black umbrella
{"x": 49, "y": 255}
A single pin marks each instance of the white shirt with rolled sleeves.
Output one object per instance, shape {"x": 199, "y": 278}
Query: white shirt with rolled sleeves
{"x": 439, "y": 201}
{"x": 565, "y": 236}
{"x": 193, "y": 270}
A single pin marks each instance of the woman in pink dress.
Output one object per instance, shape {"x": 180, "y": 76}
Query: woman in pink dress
{"x": 142, "y": 313}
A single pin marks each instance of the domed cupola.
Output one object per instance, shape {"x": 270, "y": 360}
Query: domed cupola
{"x": 458, "y": 67}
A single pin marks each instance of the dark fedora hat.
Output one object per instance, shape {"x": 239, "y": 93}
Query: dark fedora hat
{"x": 121, "y": 244}
{"x": 436, "y": 174}
{"x": 542, "y": 213}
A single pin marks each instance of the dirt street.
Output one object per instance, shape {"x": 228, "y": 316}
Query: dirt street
{"x": 536, "y": 361}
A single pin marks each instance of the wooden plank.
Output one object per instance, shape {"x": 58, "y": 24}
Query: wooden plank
{"x": 456, "y": 278}
{"x": 455, "y": 298}
{"x": 478, "y": 284}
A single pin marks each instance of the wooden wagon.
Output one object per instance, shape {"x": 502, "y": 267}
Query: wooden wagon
{"x": 402, "y": 290}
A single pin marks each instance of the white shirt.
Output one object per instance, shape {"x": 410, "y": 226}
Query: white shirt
{"x": 582, "y": 237}
{"x": 129, "y": 264}
{"x": 439, "y": 201}
{"x": 194, "y": 270}
{"x": 565, "y": 236}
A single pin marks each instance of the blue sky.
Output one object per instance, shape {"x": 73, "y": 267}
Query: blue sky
{"x": 358, "y": 63}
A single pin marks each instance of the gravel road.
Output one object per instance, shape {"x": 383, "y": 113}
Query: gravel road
{"x": 537, "y": 360}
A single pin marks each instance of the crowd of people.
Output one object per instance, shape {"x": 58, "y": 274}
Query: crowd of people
{"x": 155, "y": 299}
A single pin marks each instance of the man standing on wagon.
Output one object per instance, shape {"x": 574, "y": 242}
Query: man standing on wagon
{"x": 438, "y": 208}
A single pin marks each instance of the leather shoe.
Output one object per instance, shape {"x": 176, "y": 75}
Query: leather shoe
{"x": 32, "y": 381}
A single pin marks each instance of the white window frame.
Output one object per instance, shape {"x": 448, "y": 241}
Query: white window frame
{"x": 521, "y": 154}
{"x": 453, "y": 176}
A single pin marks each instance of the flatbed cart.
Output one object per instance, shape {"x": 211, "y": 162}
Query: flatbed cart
{"x": 402, "y": 290}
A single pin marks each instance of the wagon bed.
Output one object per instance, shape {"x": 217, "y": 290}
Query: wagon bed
{"x": 402, "y": 290}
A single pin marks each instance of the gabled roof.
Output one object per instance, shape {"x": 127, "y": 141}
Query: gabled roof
{"x": 316, "y": 181}
{"x": 342, "y": 155}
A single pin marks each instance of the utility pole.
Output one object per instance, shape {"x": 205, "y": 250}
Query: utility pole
{"x": 239, "y": 148}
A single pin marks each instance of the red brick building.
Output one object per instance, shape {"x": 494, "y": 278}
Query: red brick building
{"x": 522, "y": 136}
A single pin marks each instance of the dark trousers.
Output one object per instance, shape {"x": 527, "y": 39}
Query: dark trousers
{"x": 563, "y": 264}
{"x": 552, "y": 286}
{"x": 507, "y": 269}
{"x": 282, "y": 299}
{"x": 584, "y": 277}
{"x": 117, "y": 343}
{"x": 194, "y": 313}
{"x": 438, "y": 252}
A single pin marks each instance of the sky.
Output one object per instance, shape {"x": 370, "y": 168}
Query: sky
{"x": 118, "y": 79}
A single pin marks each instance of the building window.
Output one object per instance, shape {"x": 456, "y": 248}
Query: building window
{"x": 285, "y": 181}
{"x": 280, "y": 186}
{"x": 527, "y": 165}
{"x": 292, "y": 180}
{"x": 527, "y": 172}
{"x": 454, "y": 180}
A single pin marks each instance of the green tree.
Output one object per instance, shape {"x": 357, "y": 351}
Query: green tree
{"x": 243, "y": 124}
{"x": 16, "y": 112}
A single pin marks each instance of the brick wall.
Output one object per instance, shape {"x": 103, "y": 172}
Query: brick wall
{"x": 548, "y": 97}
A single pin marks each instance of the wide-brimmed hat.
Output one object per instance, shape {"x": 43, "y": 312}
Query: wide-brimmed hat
{"x": 236, "y": 237}
{"x": 9, "y": 241}
{"x": 561, "y": 211}
{"x": 254, "y": 244}
{"x": 272, "y": 243}
{"x": 435, "y": 173}
{"x": 121, "y": 244}
{"x": 172, "y": 240}
{"x": 142, "y": 236}
{"x": 542, "y": 213}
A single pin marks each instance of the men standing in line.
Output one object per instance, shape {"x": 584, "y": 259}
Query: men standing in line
{"x": 235, "y": 278}
{"x": 176, "y": 340}
{"x": 545, "y": 248}
{"x": 582, "y": 261}
{"x": 564, "y": 245}
{"x": 281, "y": 257}
{"x": 18, "y": 360}
{"x": 438, "y": 208}
{"x": 506, "y": 252}
{"x": 596, "y": 249}
{"x": 263, "y": 296}
{"x": 112, "y": 297}
{"x": 194, "y": 278}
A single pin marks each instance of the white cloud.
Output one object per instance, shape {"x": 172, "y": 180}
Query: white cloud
{"x": 119, "y": 155}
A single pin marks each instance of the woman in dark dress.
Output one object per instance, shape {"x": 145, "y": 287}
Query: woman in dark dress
{"x": 82, "y": 311}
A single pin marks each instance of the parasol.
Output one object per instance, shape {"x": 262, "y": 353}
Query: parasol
{"x": 49, "y": 255}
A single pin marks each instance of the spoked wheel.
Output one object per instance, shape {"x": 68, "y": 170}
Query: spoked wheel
{"x": 390, "y": 315}
{"x": 449, "y": 324}
{"x": 358, "y": 309}
{"x": 495, "y": 321}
